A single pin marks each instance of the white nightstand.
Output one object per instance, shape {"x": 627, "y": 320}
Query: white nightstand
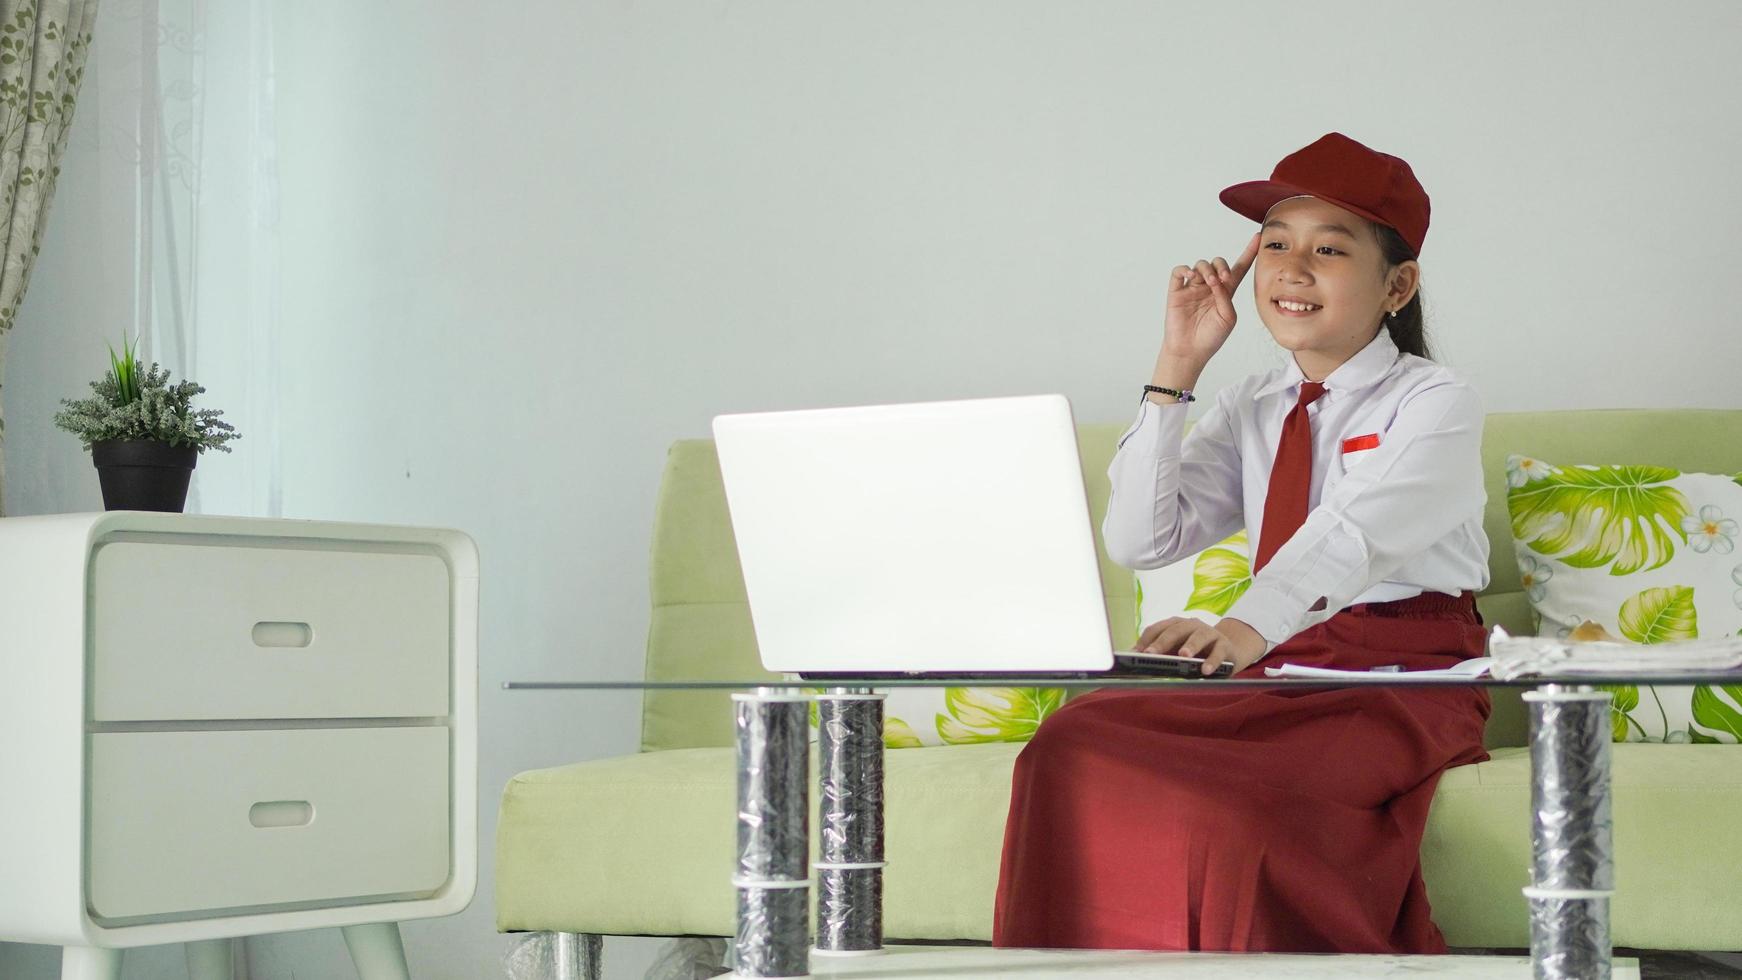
{"x": 214, "y": 727}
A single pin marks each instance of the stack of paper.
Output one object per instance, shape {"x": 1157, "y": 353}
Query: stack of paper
{"x": 1547, "y": 656}
{"x": 1464, "y": 671}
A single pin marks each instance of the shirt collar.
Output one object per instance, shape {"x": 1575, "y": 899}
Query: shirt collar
{"x": 1369, "y": 364}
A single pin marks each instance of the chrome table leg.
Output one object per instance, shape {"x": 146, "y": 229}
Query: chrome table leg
{"x": 1573, "y": 867}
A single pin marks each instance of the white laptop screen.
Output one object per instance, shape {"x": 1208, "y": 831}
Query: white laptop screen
{"x": 938, "y": 536}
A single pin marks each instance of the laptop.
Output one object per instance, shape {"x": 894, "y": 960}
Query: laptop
{"x": 946, "y": 539}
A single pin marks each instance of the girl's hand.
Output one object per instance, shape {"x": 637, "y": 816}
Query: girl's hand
{"x": 1200, "y": 308}
{"x": 1229, "y": 640}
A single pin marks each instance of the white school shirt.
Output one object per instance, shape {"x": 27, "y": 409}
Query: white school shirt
{"x": 1387, "y": 522}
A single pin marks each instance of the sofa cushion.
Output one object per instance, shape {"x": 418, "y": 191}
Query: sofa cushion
{"x": 1676, "y": 885}
{"x": 645, "y": 844}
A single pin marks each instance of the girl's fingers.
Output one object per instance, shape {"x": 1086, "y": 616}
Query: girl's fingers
{"x": 1202, "y": 638}
{"x": 1209, "y": 271}
{"x": 1218, "y": 653}
{"x": 1153, "y": 630}
{"x": 1224, "y": 301}
{"x": 1208, "y": 645}
{"x": 1170, "y": 637}
{"x": 1244, "y": 262}
{"x": 1161, "y": 641}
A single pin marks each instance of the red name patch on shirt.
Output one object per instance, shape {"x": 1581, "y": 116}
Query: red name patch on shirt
{"x": 1368, "y": 441}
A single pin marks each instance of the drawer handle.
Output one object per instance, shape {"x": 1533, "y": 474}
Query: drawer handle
{"x": 283, "y": 635}
{"x": 282, "y": 813}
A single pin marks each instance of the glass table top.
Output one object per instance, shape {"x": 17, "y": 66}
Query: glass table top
{"x": 1172, "y": 684}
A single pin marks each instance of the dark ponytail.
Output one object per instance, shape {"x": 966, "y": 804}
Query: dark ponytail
{"x": 1407, "y": 330}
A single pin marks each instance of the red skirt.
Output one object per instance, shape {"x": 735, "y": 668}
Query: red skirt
{"x": 1261, "y": 820}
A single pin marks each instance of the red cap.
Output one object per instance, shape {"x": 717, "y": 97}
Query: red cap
{"x": 1377, "y": 186}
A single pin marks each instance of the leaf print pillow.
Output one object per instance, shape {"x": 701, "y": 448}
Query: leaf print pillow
{"x": 1204, "y": 585}
{"x": 1644, "y": 554}
{"x": 917, "y": 717}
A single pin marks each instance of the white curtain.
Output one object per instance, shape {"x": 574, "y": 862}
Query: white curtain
{"x": 183, "y": 152}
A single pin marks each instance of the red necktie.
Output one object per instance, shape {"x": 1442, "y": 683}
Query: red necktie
{"x": 1291, "y": 478}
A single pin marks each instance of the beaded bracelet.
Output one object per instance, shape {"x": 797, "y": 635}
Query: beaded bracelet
{"x": 1184, "y": 396}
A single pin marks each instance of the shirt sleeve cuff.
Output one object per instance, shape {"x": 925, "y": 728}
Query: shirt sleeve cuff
{"x": 1158, "y": 431}
{"x": 1270, "y": 611}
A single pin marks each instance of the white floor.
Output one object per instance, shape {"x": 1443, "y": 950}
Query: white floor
{"x": 986, "y": 963}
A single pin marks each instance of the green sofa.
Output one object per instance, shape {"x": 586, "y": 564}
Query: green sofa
{"x": 644, "y": 844}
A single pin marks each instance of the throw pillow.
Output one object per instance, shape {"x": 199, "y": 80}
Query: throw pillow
{"x": 1641, "y": 553}
{"x": 915, "y": 717}
{"x": 1204, "y": 585}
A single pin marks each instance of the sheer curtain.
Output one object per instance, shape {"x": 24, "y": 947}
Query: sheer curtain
{"x": 178, "y": 175}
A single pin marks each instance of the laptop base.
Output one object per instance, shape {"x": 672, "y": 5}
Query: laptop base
{"x": 1125, "y": 664}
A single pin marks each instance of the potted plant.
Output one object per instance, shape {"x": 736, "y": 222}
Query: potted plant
{"x": 143, "y": 434}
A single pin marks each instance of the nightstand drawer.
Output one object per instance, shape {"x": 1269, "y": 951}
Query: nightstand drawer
{"x": 202, "y": 631}
{"x": 187, "y": 822}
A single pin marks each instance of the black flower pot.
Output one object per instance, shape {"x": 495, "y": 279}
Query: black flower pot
{"x": 143, "y": 474}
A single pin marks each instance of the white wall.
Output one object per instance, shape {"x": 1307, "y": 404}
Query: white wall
{"x": 524, "y": 248}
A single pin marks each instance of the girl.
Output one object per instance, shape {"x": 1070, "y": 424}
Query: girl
{"x": 1273, "y": 819}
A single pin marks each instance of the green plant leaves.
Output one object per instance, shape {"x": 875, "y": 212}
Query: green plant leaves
{"x": 1137, "y": 603}
{"x": 1657, "y": 615}
{"x": 977, "y": 714}
{"x": 1715, "y": 713}
{"x": 125, "y": 369}
{"x": 898, "y": 734}
{"x": 126, "y": 405}
{"x": 1623, "y": 699}
{"x": 1590, "y": 516}
{"x": 1220, "y": 576}
{"x": 995, "y": 714}
{"x": 1651, "y": 616}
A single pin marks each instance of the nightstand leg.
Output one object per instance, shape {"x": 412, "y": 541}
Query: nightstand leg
{"x": 377, "y": 951}
{"x": 210, "y": 960}
{"x": 89, "y": 963}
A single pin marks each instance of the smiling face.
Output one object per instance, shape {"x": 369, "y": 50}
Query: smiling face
{"x": 1322, "y": 284}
